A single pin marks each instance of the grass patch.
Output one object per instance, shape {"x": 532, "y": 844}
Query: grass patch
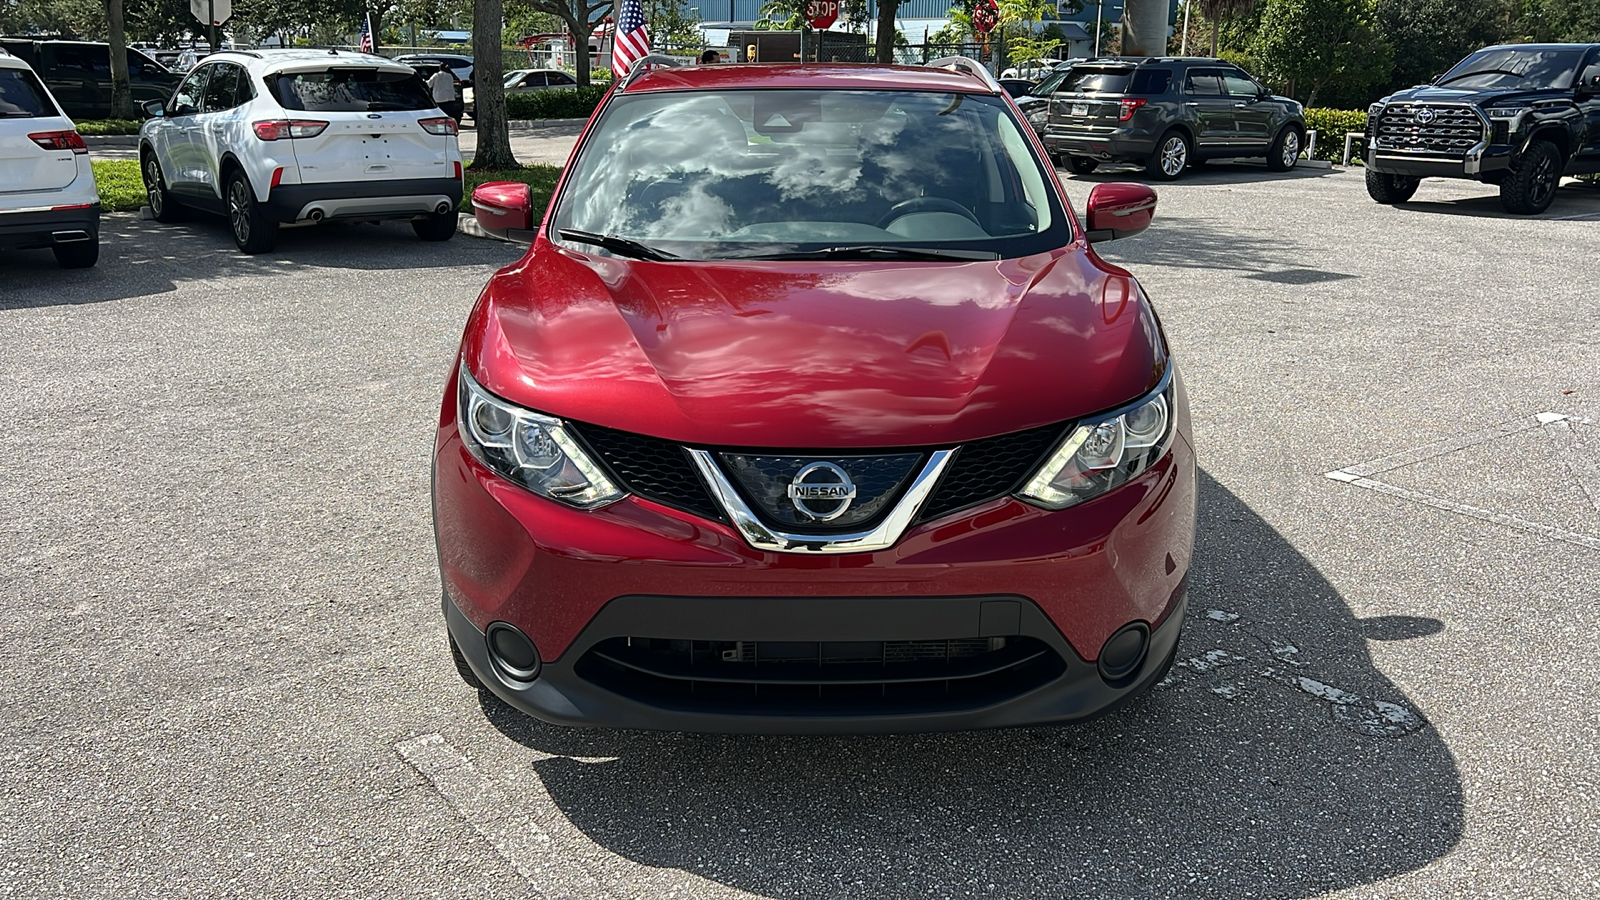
{"x": 101, "y": 127}
{"x": 121, "y": 188}
{"x": 542, "y": 180}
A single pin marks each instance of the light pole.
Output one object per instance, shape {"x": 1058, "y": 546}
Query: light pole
{"x": 1184, "y": 50}
{"x": 1097, "y": 6}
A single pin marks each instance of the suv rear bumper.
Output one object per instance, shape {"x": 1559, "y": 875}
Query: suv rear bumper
{"x": 1117, "y": 145}
{"x": 40, "y": 228}
{"x": 396, "y": 199}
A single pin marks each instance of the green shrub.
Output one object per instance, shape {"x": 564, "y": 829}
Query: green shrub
{"x": 121, "y": 189}
{"x": 557, "y": 104}
{"x": 1331, "y": 126}
{"x": 97, "y": 127}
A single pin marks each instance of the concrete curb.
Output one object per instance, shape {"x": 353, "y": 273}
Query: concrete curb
{"x": 542, "y": 123}
{"x": 467, "y": 224}
{"x": 128, "y": 141}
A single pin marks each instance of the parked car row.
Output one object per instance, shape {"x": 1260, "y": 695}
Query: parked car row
{"x": 266, "y": 138}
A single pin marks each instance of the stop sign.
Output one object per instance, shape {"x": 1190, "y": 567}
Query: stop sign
{"x": 822, "y": 13}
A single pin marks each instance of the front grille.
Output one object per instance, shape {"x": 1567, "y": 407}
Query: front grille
{"x": 652, "y": 468}
{"x": 820, "y": 677}
{"x": 878, "y": 480}
{"x": 1452, "y": 130}
{"x": 981, "y": 471}
{"x": 990, "y": 468}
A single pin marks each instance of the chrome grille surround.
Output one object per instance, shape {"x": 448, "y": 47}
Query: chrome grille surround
{"x": 1429, "y": 129}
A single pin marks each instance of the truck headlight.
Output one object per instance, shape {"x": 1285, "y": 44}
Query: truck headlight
{"x": 1104, "y": 453}
{"x": 532, "y": 450}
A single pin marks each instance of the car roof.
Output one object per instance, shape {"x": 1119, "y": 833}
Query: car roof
{"x": 832, "y": 76}
{"x": 279, "y": 58}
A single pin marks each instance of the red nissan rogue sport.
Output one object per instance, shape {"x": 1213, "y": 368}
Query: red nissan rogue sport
{"x": 811, "y": 409}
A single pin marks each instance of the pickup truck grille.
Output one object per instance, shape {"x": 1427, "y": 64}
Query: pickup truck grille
{"x": 1427, "y": 129}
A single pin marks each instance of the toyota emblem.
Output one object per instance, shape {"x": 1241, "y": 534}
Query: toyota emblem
{"x": 1425, "y": 115}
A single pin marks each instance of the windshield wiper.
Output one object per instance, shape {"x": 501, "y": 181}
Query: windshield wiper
{"x": 872, "y": 251}
{"x": 621, "y": 246}
{"x": 1484, "y": 72}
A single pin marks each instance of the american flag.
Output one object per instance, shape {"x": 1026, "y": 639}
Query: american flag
{"x": 632, "y": 41}
{"x": 366, "y": 34}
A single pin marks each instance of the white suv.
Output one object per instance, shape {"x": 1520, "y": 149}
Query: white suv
{"x": 301, "y": 136}
{"x": 47, "y": 192}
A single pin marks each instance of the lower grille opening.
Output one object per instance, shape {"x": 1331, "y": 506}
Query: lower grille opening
{"x": 821, "y": 677}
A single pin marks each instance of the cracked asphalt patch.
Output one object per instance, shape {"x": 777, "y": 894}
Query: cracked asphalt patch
{"x": 226, "y": 674}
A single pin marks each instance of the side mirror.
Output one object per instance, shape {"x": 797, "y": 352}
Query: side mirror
{"x": 1589, "y": 81}
{"x": 153, "y": 109}
{"x": 1119, "y": 210}
{"x": 505, "y": 209}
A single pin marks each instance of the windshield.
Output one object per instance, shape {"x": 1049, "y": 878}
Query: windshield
{"x": 1051, "y": 83}
{"x": 1515, "y": 69}
{"x": 739, "y": 173}
{"x": 350, "y": 90}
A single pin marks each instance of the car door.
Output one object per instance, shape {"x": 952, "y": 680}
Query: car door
{"x": 1211, "y": 109}
{"x": 1587, "y": 96}
{"x": 560, "y": 80}
{"x": 69, "y": 73}
{"x": 222, "y": 124}
{"x": 181, "y": 162}
{"x": 1252, "y": 119}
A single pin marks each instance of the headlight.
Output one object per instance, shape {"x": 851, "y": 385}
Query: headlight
{"x": 537, "y": 452}
{"x": 1374, "y": 109}
{"x": 1104, "y": 453}
{"x": 1506, "y": 112}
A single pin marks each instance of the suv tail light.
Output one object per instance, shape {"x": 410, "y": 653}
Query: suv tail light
{"x": 445, "y": 125}
{"x": 1128, "y": 107}
{"x": 60, "y": 140}
{"x": 278, "y": 129}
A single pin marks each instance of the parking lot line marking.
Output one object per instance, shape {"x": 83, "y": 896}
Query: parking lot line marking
{"x": 515, "y": 836}
{"x": 1474, "y": 512}
{"x": 1447, "y": 445}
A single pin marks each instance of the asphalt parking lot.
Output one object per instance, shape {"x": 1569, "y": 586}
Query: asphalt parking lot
{"x": 226, "y": 673}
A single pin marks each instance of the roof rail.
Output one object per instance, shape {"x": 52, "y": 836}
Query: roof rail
{"x": 968, "y": 66}
{"x": 244, "y": 53}
{"x": 644, "y": 64}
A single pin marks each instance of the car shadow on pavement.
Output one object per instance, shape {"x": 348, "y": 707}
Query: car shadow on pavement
{"x": 1574, "y": 200}
{"x": 1215, "y": 172}
{"x": 1276, "y": 761}
{"x": 1182, "y": 242}
{"x": 140, "y": 258}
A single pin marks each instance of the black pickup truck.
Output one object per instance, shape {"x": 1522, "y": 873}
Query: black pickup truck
{"x": 1518, "y": 115}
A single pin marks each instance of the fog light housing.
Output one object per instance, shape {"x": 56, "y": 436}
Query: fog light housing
{"x": 1124, "y": 653}
{"x": 514, "y": 657}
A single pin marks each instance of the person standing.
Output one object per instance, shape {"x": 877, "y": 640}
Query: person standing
{"x": 443, "y": 85}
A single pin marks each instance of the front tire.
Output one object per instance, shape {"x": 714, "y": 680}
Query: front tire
{"x": 1082, "y": 165}
{"x": 435, "y": 227}
{"x": 78, "y": 254}
{"x": 1390, "y": 189}
{"x": 163, "y": 208}
{"x": 1285, "y": 151}
{"x": 1531, "y": 184}
{"x": 253, "y": 232}
{"x": 1170, "y": 158}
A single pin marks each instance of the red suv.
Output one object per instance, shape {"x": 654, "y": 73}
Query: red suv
{"x": 811, "y": 409}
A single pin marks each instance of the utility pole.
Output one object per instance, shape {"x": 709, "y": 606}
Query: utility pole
{"x": 1097, "y": 5}
{"x": 1184, "y": 50}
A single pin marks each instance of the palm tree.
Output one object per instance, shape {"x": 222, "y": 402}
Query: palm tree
{"x": 1217, "y": 10}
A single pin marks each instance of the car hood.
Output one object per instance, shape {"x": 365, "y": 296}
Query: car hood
{"x": 814, "y": 355}
{"x": 1432, "y": 93}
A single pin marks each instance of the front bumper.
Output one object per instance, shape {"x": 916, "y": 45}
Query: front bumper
{"x": 37, "y": 229}
{"x": 394, "y": 199}
{"x": 1480, "y": 161}
{"x": 572, "y": 580}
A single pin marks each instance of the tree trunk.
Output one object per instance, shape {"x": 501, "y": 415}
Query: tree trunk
{"x": 1214, "y": 30}
{"x": 885, "y": 45}
{"x": 488, "y": 76}
{"x": 121, "y": 92}
{"x": 580, "y": 48}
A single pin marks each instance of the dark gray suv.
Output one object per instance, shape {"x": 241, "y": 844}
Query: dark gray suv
{"x": 1169, "y": 113}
